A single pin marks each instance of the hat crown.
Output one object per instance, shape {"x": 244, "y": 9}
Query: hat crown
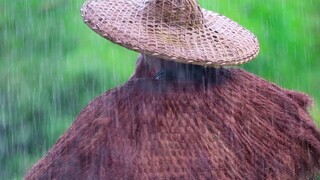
{"x": 177, "y": 12}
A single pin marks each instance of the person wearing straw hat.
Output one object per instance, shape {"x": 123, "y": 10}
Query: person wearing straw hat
{"x": 181, "y": 114}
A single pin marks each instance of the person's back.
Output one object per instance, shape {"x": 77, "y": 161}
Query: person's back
{"x": 236, "y": 126}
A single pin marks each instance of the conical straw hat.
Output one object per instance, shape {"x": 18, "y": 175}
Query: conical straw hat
{"x": 177, "y": 30}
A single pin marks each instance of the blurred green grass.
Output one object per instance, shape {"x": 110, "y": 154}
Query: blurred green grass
{"x": 52, "y": 65}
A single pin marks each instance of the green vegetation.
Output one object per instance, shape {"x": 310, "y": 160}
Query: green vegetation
{"x": 52, "y": 65}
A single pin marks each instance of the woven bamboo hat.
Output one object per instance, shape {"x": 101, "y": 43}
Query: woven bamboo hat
{"x": 177, "y": 30}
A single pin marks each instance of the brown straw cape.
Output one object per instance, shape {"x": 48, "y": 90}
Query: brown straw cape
{"x": 177, "y": 30}
{"x": 245, "y": 128}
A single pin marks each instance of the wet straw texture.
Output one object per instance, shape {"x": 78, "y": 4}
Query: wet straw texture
{"x": 177, "y": 30}
{"x": 241, "y": 128}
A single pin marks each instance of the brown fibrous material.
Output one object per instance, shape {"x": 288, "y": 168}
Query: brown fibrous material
{"x": 240, "y": 128}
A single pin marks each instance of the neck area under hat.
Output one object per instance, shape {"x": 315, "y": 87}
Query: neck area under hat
{"x": 162, "y": 69}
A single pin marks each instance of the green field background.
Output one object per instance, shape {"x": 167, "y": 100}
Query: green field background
{"x": 52, "y": 65}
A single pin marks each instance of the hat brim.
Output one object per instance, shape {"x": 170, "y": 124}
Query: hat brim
{"x": 219, "y": 41}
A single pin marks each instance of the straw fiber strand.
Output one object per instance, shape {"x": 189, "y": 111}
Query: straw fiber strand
{"x": 243, "y": 128}
{"x": 177, "y": 30}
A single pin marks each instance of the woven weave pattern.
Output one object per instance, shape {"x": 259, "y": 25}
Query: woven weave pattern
{"x": 177, "y": 30}
{"x": 244, "y": 128}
